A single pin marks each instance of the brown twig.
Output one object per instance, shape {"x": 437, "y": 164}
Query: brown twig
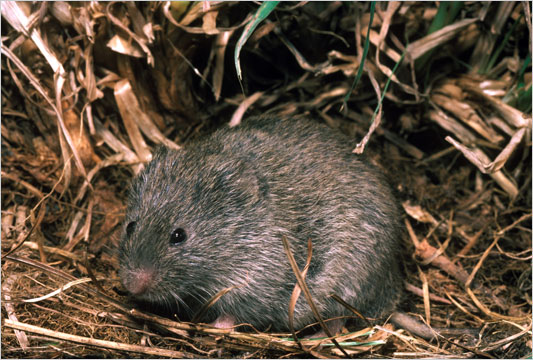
{"x": 307, "y": 294}
{"x": 99, "y": 343}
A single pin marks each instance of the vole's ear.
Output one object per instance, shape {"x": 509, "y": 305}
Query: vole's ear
{"x": 235, "y": 183}
{"x": 248, "y": 184}
{"x": 244, "y": 184}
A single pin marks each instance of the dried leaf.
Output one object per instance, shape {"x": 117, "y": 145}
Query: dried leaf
{"x": 431, "y": 41}
{"x": 419, "y": 214}
{"x": 124, "y": 46}
{"x": 482, "y": 162}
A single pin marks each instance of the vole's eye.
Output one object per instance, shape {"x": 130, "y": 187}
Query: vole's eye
{"x": 130, "y": 228}
{"x": 178, "y": 236}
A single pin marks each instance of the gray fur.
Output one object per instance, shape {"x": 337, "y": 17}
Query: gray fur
{"x": 236, "y": 193}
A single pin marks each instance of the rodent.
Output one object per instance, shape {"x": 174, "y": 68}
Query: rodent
{"x": 212, "y": 216}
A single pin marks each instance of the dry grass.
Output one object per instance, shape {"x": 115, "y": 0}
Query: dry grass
{"x": 88, "y": 89}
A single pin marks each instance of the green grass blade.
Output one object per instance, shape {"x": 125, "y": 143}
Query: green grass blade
{"x": 455, "y": 8}
{"x": 356, "y": 343}
{"x": 439, "y": 21}
{"x": 502, "y": 44}
{"x": 527, "y": 62}
{"x": 386, "y": 87}
{"x": 446, "y": 14}
{"x": 524, "y": 100}
{"x": 264, "y": 10}
{"x": 365, "y": 52}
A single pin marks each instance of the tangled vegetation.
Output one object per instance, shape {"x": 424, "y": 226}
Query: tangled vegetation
{"x": 442, "y": 103}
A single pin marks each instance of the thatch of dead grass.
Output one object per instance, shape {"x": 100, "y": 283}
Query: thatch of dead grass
{"x": 88, "y": 90}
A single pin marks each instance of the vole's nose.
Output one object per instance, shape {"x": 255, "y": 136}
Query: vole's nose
{"x": 139, "y": 281}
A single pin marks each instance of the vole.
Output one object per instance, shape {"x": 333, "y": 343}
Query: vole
{"x": 212, "y": 216}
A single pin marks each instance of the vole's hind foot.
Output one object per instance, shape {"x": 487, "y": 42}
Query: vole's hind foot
{"x": 334, "y": 327}
{"x": 223, "y": 322}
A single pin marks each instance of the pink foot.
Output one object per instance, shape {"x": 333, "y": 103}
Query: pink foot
{"x": 334, "y": 326}
{"x": 223, "y": 322}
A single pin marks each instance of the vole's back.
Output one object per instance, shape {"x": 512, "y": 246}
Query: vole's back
{"x": 241, "y": 190}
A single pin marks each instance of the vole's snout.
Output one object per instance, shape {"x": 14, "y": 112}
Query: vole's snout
{"x": 140, "y": 281}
